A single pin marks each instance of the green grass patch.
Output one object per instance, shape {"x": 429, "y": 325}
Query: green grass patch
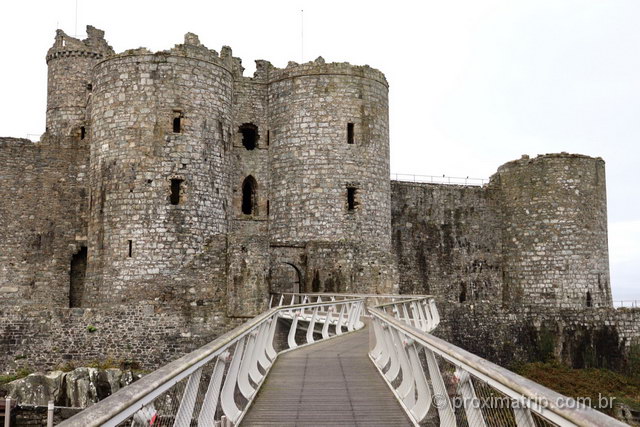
{"x": 585, "y": 383}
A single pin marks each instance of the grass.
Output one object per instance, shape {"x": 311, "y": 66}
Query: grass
{"x": 585, "y": 383}
{"x": 21, "y": 373}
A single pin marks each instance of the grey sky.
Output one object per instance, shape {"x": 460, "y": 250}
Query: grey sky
{"x": 473, "y": 84}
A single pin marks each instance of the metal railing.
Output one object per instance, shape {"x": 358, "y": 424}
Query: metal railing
{"x": 439, "y": 383}
{"x": 283, "y": 298}
{"x": 215, "y": 385}
{"x": 438, "y": 179}
{"x": 627, "y": 304}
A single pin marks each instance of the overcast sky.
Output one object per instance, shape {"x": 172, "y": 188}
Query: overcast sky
{"x": 473, "y": 84}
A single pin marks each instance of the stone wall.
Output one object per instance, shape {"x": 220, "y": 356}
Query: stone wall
{"x": 554, "y": 230}
{"x": 535, "y": 235}
{"x": 579, "y": 337}
{"x": 312, "y": 161}
{"x": 42, "y": 220}
{"x": 147, "y": 336}
{"x": 447, "y": 241}
{"x": 159, "y": 192}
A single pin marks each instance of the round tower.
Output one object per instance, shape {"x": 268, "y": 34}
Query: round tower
{"x": 69, "y": 83}
{"x": 159, "y": 170}
{"x": 554, "y": 231}
{"x": 329, "y": 161}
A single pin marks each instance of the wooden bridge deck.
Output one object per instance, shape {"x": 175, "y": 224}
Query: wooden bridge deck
{"x": 332, "y": 383}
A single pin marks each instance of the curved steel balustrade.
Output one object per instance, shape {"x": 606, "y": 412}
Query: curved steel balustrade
{"x": 435, "y": 382}
{"x": 216, "y": 384}
{"x": 438, "y": 383}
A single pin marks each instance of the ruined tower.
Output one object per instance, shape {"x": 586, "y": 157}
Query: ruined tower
{"x": 70, "y": 64}
{"x": 159, "y": 168}
{"x": 329, "y": 158}
{"x": 554, "y": 231}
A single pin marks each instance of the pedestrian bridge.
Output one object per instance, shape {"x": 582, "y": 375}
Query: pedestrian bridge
{"x": 337, "y": 360}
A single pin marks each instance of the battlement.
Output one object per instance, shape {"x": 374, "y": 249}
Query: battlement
{"x": 525, "y": 160}
{"x": 94, "y": 46}
{"x": 267, "y": 72}
{"x": 192, "y": 48}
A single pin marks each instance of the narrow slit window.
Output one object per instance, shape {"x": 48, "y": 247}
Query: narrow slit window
{"x": 83, "y": 132}
{"x": 177, "y": 122}
{"x": 350, "y": 133}
{"x": 130, "y": 248}
{"x": 176, "y": 189}
{"x": 249, "y": 187}
{"x": 268, "y": 138}
{"x": 589, "y": 300}
{"x": 351, "y": 198}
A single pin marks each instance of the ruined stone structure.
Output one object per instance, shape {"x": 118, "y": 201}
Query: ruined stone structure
{"x": 170, "y": 195}
{"x": 535, "y": 235}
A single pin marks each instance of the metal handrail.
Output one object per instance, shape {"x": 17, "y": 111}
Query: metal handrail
{"x": 396, "y": 351}
{"x": 438, "y": 179}
{"x": 626, "y": 304}
{"x": 254, "y": 338}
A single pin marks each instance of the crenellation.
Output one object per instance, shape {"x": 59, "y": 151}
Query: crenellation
{"x": 170, "y": 195}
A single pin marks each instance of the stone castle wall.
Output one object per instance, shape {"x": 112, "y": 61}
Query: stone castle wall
{"x": 580, "y": 337}
{"x": 447, "y": 241}
{"x": 146, "y": 336}
{"x": 554, "y": 230}
{"x": 140, "y": 164}
{"x": 42, "y": 220}
{"x": 535, "y": 235}
{"x": 146, "y": 193}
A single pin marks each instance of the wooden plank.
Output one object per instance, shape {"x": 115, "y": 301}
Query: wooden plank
{"x": 329, "y": 383}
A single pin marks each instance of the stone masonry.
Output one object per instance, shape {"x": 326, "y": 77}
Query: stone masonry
{"x": 170, "y": 194}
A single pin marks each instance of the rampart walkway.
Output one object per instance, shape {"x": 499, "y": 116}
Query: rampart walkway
{"x": 328, "y": 383}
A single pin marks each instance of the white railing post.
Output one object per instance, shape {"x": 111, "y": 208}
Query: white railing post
{"x": 210, "y": 402}
{"x": 424, "y": 397}
{"x": 327, "y": 322}
{"x": 50, "y": 409}
{"x": 188, "y": 400}
{"x": 227, "y": 399}
{"x": 340, "y": 317}
{"x": 7, "y": 412}
{"x": 244, "y": 385}
{"x": 291, "y": 339}
{"x": 468, "y": 395}
{"x": 311, "y": 327}
{"x": 445, "y": 411}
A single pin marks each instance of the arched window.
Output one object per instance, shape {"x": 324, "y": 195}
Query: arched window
{"x": 250, "y": 136}
{"x": 249, "y": 196}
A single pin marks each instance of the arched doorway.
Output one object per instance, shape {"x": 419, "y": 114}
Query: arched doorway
{"x": 286, "y": 277}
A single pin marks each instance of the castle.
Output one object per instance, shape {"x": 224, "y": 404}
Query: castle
{"x": 170, "y": 195}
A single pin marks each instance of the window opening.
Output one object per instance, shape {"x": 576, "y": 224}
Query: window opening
{"x": 176, "y": 190}
{"x": 350, "y": 133}
{"x": 249, "y": 195}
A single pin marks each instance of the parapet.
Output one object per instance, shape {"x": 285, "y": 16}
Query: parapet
{"x": 93, "y": 46}
{"x": 192, "y": 48}
{"x": 526, "y": 160}
{"x": 267, "y": 72}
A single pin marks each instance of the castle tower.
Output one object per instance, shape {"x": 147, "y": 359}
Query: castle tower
{"x": 554, "y": 231}
{"x": 159, "y": 170}
{"x": 70, "y": 63}
{"x": 329, "y": 162}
